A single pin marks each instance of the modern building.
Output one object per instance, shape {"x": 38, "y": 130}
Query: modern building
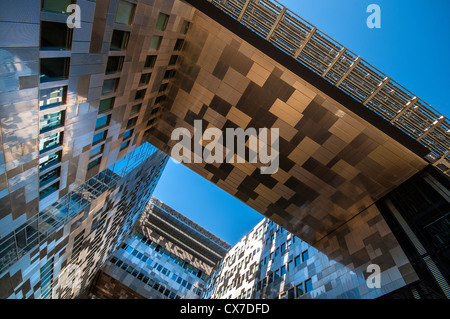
{"x": 57, "y": 252}
{"x": 73, "y": 101}
{"x": 165, "y": 256}
{"x": 269, "y": 262}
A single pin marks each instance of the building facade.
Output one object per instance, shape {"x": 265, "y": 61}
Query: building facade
{"x": 166, "y": 256}
{"x": 75, "y": 100}
{"x": 57, "y": 253}
{"x": 269, "y": 262}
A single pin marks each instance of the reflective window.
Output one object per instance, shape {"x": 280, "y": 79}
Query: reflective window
{"x": 124, "y": 145}
{"x": 51, "y": 121}
{"x": 49, "y": 142}
{"x": 283, "y": 270}
{"x": 46, "y": 276}
{"x": 140, "y": 94}
{"x": 185, "y": 27}
{"x": 55, "y": 36}
{"x": 308, "y": 285}
{"x": 299, "y": 290}
{"x": 179, "y": 45}
{"x": 169, "y": 74}
{"x": 163, "y": 87}
{"x": 150, "y": 61}
{"x": 96, "y": 150}
{"x": 49, "y": 160}
{"x": 161, "y": 23}
{"x": 135, "y": 108}
{"x": 56, "y": 5}
{"x": 305, "y": 255}
{"x": 99, "y": 137}
{"x": 119, "y": 40}
{"x": 47, "y": 191}
{"x": 125, "y": 12}
{"x": 173, "y": 59}
{"x": 106, "y": 105}
{"x": 291, "y": 293}
{"x": 127, "y": 134}
{"x": 277, "y": 273}
{"x": 54, "y": 69}
{"x": 49, "y": 177}
{"x": 94, "y": 163}
{"x": 52, "y": 97}
{"x": 145, "y": 78}
{"x": 114, "y": 64}
{"x": 155, "y": 42}
{"x": 297, "y": 260}
{"x": 102, "y": 121}
{"x": 110, "y": 85}
{"x": 132, "y": 122}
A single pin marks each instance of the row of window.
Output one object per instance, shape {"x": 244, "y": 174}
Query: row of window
{"x": 146, "y": 280}
{"x": 159, "y": 268}
{"x": 172, "y": 257}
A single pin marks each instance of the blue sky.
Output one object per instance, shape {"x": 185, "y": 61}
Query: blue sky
{"x": 412, "y": 47}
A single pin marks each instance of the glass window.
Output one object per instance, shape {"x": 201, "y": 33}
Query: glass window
{"x": 270, "y": 278}
{"x": 173, "y": 60}
{"x": 51, "y": 121}
{"x": 163, "y": 87}
{"x": 305, "y": 255}
{"x": 299, "y": 290}
{"x": 114, "y": 64}
{"x": 145, "y": 78}
{"x": 52, "y": 97}
{"x": 55, "y": 36}
{"x": 154, "y": 111}
{"x": 56, "y": 5}
{"x": 161, "y": 23}
{"x": 106, "y": 105}
{"x": 99, "y": 137}
{"x": 160, "y": 99}
{"x": 308, "y": 286}
{"x": 150, "y": 61}
{"x": 119, "y": 40}
{"x": 283, "y": 247}
{"x": 297, "y": 260}
{"x": 178, "y": 45}
{"x": 124, "y": 145}
{"x": 49, "y": 142}
{"x": 185, "y": 27}
{"x": 49, "y": 160}
{"x": 96, "y": 150}
{"x": 135, "y": 108}
{"x": 110, "y": 85}
{"x": 125, "y": 12}
{"x": 127, "y": 134}
{"x": 94, "y": 163}
{"x": 47, "y": 191}
{"x": 291, "y": 293}
{"x": 277, "y": 273}
{"x": 283, "y": 270}
{"x": 140, "y": 94}
{"x": 49, "y": 177}
{"x": 102, "y": 121}
{"x": 155, "y": 42}
{"x": 54, "y": 69}
{"x": 169, "y": 74}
